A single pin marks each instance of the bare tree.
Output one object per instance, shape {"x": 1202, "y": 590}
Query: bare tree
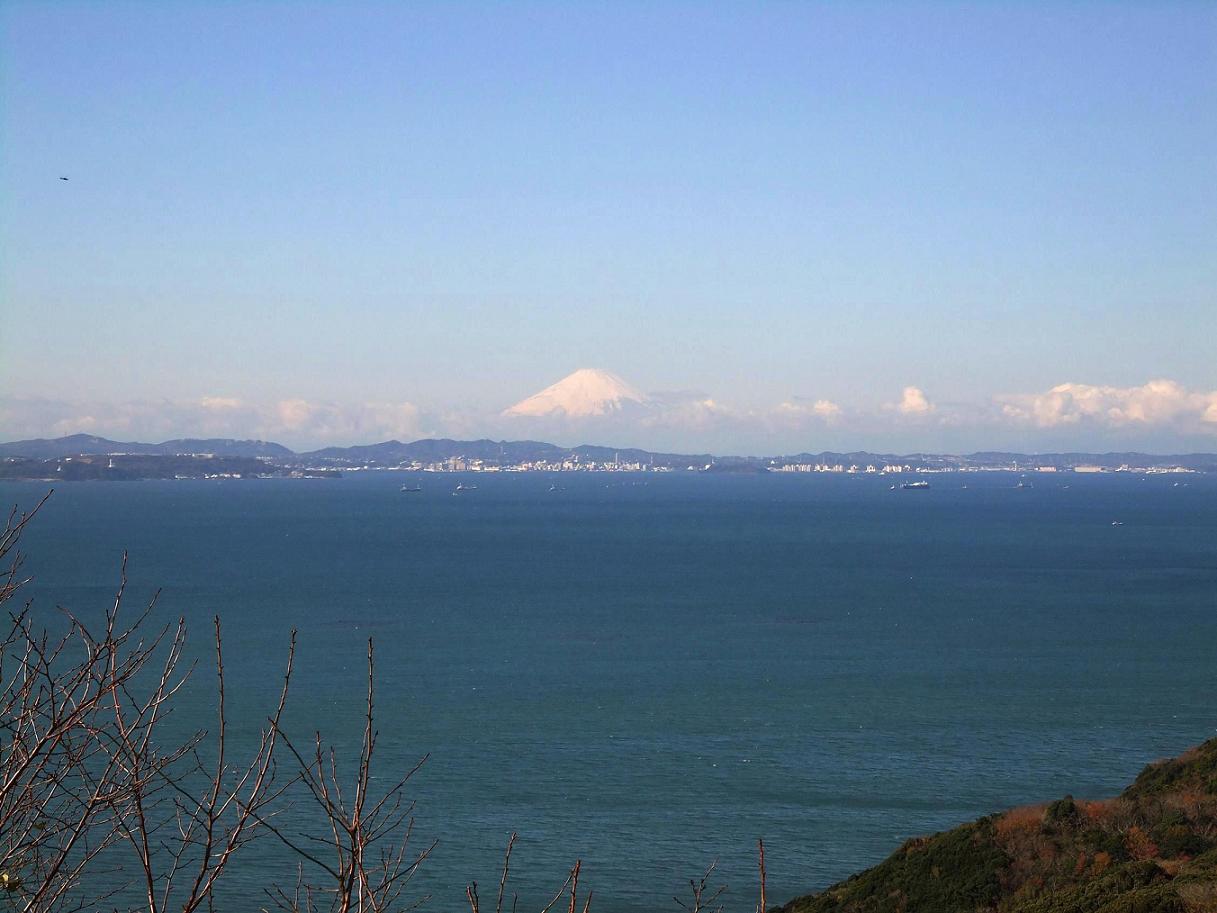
{"x": 59, "y": 785}
{"x": 361, "y": 860}
{"x": 569, "y": 889}
{"x": 705, "y": 898}
{"x": 85, "y": 782}
{"x": 99, "y": 807}
{"x": 96, "y": 806}
{"x": 760, "y": 852}
{"x": 189, "y": 817}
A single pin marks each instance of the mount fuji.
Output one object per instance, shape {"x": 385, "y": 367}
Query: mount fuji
{"x": 586, "y": 393}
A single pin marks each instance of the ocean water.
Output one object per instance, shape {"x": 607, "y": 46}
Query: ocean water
{"x": 650, "y": 672}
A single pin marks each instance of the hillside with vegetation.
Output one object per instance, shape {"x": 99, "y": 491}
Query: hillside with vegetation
{"x": 1151, "y": 850}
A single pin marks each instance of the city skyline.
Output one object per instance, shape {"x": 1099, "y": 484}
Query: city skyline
{"x": 889, "y": 227}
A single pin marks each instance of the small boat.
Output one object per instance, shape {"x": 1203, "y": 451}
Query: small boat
{"x": 915, "y": 486}
{"x": 411, "y": 488}
{"x": 461, "y": 486}
{"x": 1117, "y": 523}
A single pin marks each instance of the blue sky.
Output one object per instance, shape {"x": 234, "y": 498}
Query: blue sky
{"x": 432, "y": 211}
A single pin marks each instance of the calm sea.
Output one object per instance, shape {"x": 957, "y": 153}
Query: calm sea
{"x": 648, "y": 673}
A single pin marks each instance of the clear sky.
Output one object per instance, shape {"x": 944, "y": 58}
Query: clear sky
{"x": 332, "y": 222}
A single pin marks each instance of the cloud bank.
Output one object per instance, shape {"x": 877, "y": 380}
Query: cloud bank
{"x": 1157, "y": 403}
{"x": 295, "y": 422}
{"x": 1076, "y": 415}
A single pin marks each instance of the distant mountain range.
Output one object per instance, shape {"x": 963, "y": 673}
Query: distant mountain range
{"x": 509, "y": 452}
{"x": 79, "y": 444}
{"x": 432, "y": 450}
{"x": 384, "y": 453}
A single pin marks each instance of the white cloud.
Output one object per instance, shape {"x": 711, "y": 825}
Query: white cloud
{"x": 340, "y": 421}
{"x": 1158, "y": 403}
{"x": 220, "y": 403}
{"x": 294, "y": 414}
{"x": 81, "y": 425}
{"x": 335, "y": 422}
{"x": 826, "y": 409}
{"x": 913, "y": 402}
{"x": 798, "y": 410}
{"x": 692, "y": 411}
{"x": 297, "y": 422}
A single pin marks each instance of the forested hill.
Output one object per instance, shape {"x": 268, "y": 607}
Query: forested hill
{"x": 1151, "y": 850}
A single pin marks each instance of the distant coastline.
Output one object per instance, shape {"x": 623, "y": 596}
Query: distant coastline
{"x": 85, "y": 457}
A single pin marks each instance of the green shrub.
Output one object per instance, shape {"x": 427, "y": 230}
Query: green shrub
{"x": 1071, "y": 858}
{"x": 1179, "y": 840}
{"x": 1063, "y": 811}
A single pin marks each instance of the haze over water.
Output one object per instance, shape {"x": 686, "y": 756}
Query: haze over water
{"x": 651, "y": 672}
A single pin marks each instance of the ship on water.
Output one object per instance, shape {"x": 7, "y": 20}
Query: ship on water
{"x": 914, "y": 486}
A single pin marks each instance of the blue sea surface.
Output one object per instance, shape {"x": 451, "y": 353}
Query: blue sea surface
{"x": 648, "y": 672}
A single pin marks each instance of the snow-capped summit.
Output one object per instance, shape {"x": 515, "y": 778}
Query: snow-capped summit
{"x": 586, "y": 392}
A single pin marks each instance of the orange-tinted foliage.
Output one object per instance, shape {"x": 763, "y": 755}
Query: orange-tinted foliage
{"x": 1172, "y": 867}
{"x": 1018, "y": 821}
{"x": 1139, "y": 844}
{"x": 1193, "y": 803}
{"x": 1101, "y": 862}
{"x": 1081, "y": 866}
{"x": 1093, "y": 810}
